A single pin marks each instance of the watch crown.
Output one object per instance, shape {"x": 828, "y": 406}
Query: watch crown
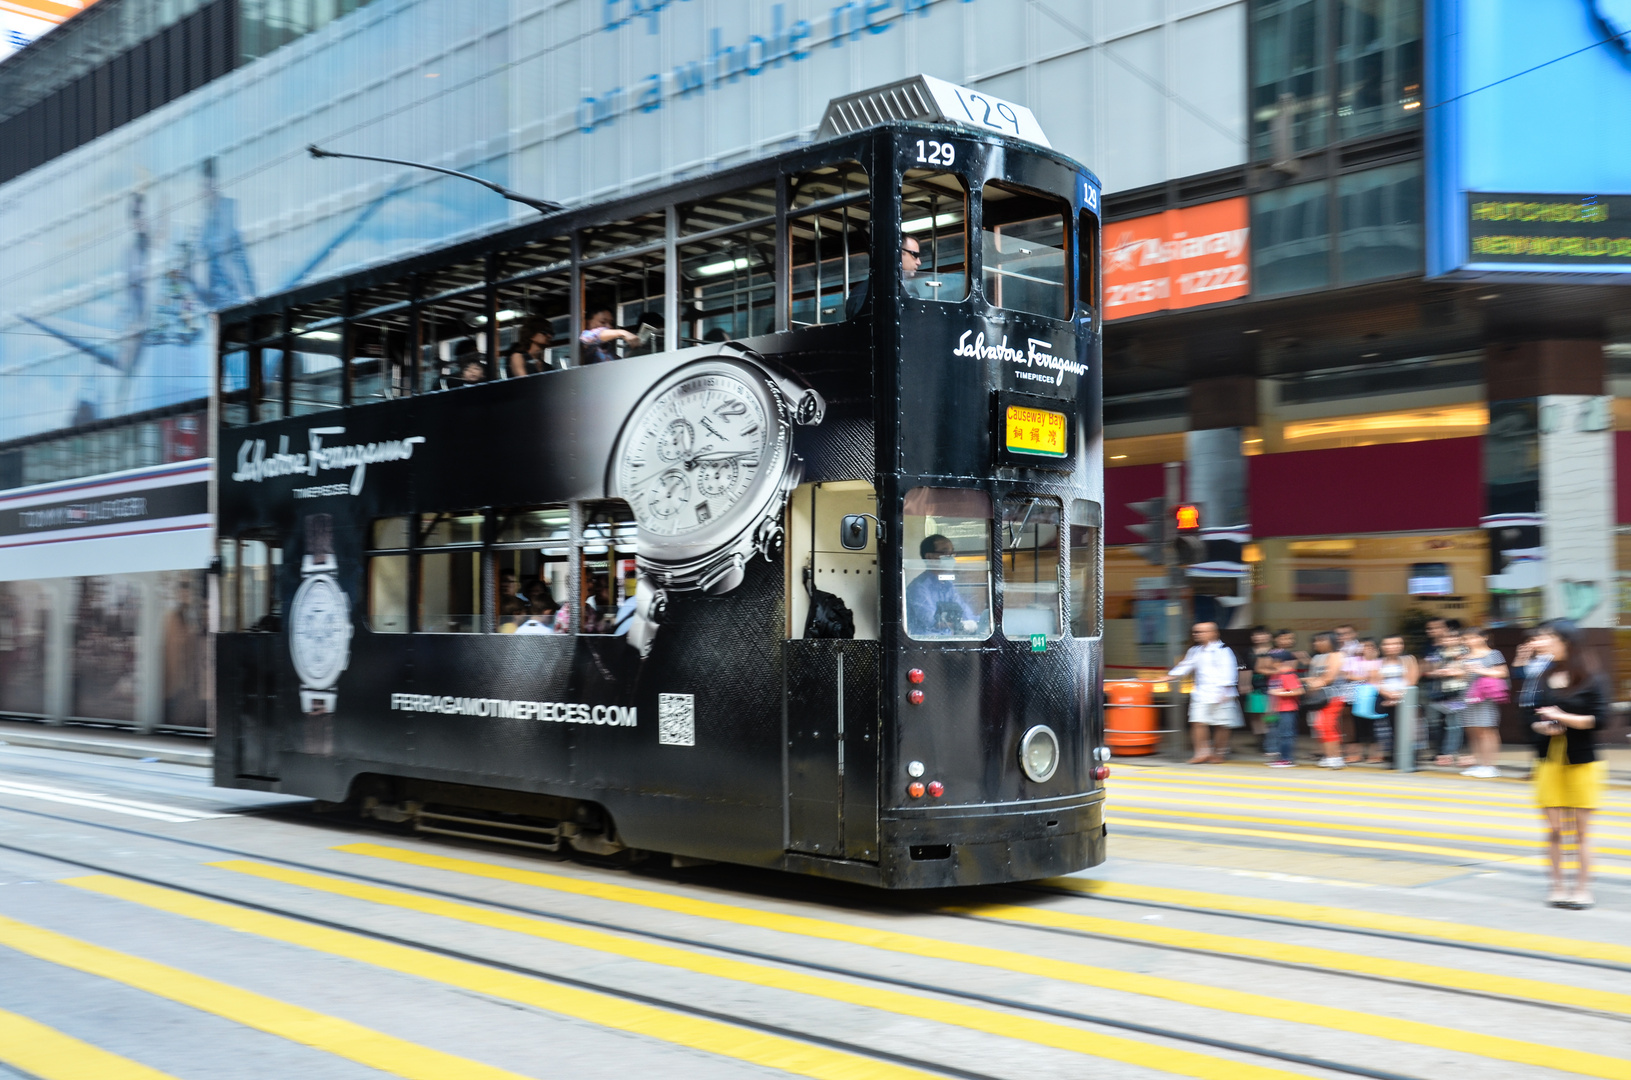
{"x": 811, "y": 408}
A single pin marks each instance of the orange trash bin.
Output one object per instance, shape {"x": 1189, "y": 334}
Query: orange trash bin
{"x": 1129, "y": 718}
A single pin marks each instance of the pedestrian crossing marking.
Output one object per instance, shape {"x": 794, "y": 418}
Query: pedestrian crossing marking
{"x": 1393, "y": 1029}
{"x": 48, "y": 1054}
{"x": 1325, "y": 915}
{"x": 1278, "y": 863}
{"x": 991, "y": 1022}
{"x": 1528, "y": 844}
{"x": 605, "y": 1010}
{"x": 292, "y": 1022}
{"x": 1371, "y": 845}
{"x": 1432, "y": 975}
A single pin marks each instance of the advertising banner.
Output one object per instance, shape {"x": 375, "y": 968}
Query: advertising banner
{"x": 22, "y": 21}
{"x": 1177, "y": 259}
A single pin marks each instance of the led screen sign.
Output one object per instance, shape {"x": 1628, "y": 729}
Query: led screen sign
{"x": 1529, "y": 169}
{"x": 1578, "y": 231}
{"x": 1177, "y": 259}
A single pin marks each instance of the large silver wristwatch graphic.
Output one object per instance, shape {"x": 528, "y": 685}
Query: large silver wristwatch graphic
{"x": 705, "y": 461}
{"x": 319, "y": 620}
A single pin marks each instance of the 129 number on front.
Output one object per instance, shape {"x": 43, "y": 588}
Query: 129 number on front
{"x": 930, "y": 152}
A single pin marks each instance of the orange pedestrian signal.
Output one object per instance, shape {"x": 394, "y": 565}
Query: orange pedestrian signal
{"x": 1187, "y": 516}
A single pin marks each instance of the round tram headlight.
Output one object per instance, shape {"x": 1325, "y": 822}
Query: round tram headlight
{"x": 1039, "y": 753}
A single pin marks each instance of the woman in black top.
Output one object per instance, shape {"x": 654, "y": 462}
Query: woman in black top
{"x": 1569, "y": 706}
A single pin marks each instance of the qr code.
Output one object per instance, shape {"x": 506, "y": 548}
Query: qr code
{"x": 677, "y": 719}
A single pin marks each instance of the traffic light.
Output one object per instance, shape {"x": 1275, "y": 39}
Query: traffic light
{"x": 1156, "y": 530}
{"x": 1186, "y": 521}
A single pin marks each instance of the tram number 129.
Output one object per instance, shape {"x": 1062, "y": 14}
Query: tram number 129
{"x": 936, "y": 153}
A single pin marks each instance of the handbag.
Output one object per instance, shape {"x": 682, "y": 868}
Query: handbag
{"x": 1487, "y": 688}
{"x": 829, "y": 616}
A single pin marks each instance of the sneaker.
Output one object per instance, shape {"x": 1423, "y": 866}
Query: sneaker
{"x": 1282, "y": 764}
{"x": 1470, "y": 772}
{"x": 1486, "y": 772}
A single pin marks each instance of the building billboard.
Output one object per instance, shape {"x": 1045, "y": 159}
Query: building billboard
{"x": 1528, "y": 171}
{"x": 1177, "y": 259}
{"x": 21, "y": 21}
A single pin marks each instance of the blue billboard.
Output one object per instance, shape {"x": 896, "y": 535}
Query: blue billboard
{"x": 1529, "y": 169}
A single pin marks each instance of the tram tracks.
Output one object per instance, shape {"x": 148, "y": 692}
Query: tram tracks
{"x": 1462, "y": 1041}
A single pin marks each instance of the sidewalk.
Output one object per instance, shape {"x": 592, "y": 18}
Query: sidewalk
{"x": 112, "y": 742}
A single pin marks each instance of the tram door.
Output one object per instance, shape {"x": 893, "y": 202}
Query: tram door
{"x": 830, "y": 676}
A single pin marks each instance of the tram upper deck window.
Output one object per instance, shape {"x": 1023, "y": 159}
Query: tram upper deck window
{"x": 948, "y": 584}
{"x": 607, "y": 550}
{"x": 532, "y": 560}
{"x": 315, "y": 371}
{"x": 450, "y": 595}
{"x": 535, "y": 325}
{"x": 388, "y": 575}
{"x": 829, "y": 234}
{"x": 728, "y": 285}
{"x": 1084, "y": 569}
{"x": 934, "y": 216}
{"x": 1030, "y": 566}
{"x": 1024, "y": 251}
{"x": 1087, "y": 260}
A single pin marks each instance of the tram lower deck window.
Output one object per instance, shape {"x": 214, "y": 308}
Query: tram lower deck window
{"x": 450, "y": 594}
{"x": 1030, "y": 566}
{"x": 948, "y": 584}
{"x": 1086, "y": 574}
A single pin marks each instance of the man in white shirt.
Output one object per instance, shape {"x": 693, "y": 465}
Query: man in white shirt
{"x": 1214, "y": 705}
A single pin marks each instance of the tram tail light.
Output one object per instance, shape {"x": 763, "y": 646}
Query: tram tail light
{"x": 915, "y": 789}
{"x": 915, "y": 676}
{"x": 915, "y": 697}
{"x": 936, "y": 788}
{"x": 1101, "y": 772}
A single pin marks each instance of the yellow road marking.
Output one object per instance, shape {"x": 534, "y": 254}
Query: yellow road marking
{"x": 1371, "y": 845}
{"x": 338, "y": 1037}
{"x": 1170, "y": 778}
{"x": 1462, "y": 933}
{"x": 1376, "y": 830}
{"x": 1218, "y": 998}
{"x": 50, "y": 1055}
{"x": 1041, "y": 1032}
{"x": 698, "y": 1033}
{"x": 1310, "y": 956}
{"x": 1317, "y": 804}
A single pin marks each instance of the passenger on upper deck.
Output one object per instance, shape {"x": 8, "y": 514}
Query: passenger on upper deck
{"x": 530, "y": 353}
{"x": 599, "y": 339}
{"x": 467, "y": 363}
{"x": 911, "y": 257}
{"x": 933, "y": 604}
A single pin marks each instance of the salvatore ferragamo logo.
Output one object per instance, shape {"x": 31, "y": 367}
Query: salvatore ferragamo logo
{"x": 1036, "y": 355}
{"x": 255, "y": 464}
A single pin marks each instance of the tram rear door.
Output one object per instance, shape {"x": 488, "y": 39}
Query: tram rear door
{"x": 830, "y": 674}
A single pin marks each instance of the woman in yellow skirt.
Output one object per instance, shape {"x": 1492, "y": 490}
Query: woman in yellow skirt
{"x": 1569, "y": 705}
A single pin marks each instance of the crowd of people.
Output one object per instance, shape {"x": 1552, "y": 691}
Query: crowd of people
{"x": 1348, "y": 691}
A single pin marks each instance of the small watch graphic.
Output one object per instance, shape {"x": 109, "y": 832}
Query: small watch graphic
{"x": 319, "y": 620}
{"x": 705, "y": 461}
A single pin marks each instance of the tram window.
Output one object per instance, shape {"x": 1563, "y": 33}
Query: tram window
{"x": 388, "y": 575}
{"x": 732, "y": 208}
{"x": 314, "y": 372}
{"x": 531, "y": 563}
{"x": 823, "y": 573}
{"x": 829, "y": 237}
{"x": 1030, "y": 566}
{"x": 379, "y": 358}
{"x": 235, "y": 388}
{"x": 728, "y": 286}
{"x": 1084, "y": 569}
{"x": 633, "y": 289}
{"x": 269, "y": 406}
{"x": 258, "y": 565}
{"x": 948, "y": 564}
{"x": 1024, "y": 251}
{"x": 535, "y": 325}
{"x": 1087, "y": 259}
{"x": 450, "y": 596}
{"x": 934, "y": 212}
{"x": 229, "y": 586}
{"x": 607, "y": 550}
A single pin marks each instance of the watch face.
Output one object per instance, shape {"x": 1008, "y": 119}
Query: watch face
{"x": 694, "y": 453}
{"x": 319, "y": 631}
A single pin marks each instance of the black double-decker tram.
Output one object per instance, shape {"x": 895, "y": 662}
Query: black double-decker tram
{"x": 754, "y": 519}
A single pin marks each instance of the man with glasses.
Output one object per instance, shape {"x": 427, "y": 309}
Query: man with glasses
{"x": 911, "y": 257}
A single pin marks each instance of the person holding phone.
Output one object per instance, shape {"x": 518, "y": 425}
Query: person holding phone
{"x": 1570, "y": 704}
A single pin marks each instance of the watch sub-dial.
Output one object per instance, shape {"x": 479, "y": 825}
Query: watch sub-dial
{"x": 668, "y": 494}
{"x": 717, "y": 476}
{"x": 676, "y": 440}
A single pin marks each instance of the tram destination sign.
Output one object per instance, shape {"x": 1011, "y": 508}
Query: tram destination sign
{"x": 1554, "y": 232}
{"x": 1032, "y": 431}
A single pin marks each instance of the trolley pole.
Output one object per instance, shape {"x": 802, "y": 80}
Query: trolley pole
{"x": 1176, "y": 639}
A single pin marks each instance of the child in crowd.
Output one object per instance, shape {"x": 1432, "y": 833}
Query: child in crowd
{"x": 1285, "y": 689}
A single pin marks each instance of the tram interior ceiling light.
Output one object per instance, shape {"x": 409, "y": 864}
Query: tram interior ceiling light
{"x": 321, "y": 335}
{"x": 725, "y": 267}
{"x": 938, "y": 221}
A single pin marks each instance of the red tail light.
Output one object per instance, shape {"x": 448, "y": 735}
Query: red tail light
{"x": 915, "y": 697}
{"x": 1102, "y": 772}
{"x": 915, "y": 676}
{"x": 936, "y": 788}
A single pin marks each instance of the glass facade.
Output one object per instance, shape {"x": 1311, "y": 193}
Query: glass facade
{"x": 1381, "y": 223}
{"x": 1291, "y": 230}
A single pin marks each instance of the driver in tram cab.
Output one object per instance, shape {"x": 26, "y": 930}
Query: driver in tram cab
{"x": 600, "y": 338}
{"x": 933, "y": 604}
{"x": 911, "y": 257}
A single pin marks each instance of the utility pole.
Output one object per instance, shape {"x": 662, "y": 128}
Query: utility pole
{"x": 1176, "y": 636}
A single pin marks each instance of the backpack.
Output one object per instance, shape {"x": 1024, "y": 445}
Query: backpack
{"x": 829, "y": 616}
